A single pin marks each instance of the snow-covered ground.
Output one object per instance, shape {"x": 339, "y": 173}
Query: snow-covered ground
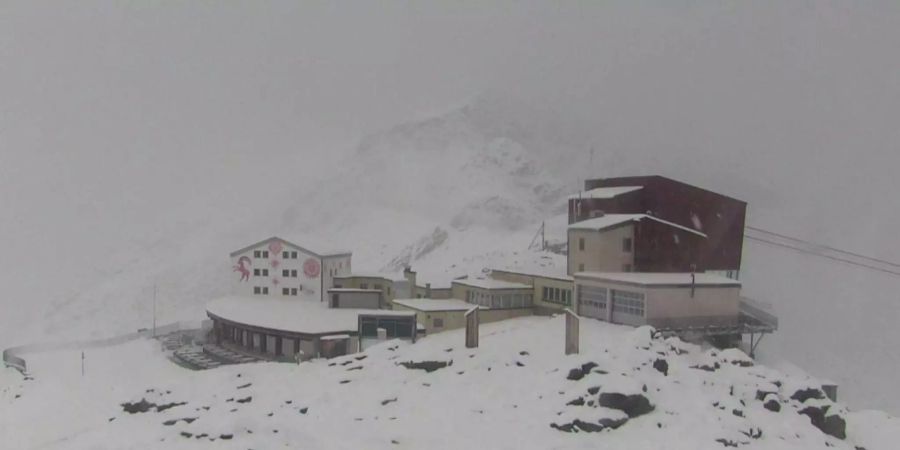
{"x": 505, "y": 394}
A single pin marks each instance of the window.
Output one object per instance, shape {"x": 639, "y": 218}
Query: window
{"x": 293, "y": 255}
{"x": 438, "y": 323}
{"x": 363, "y": 285}
{"x": 256, "y": 272}
{"x": 293, "y": 273}
{"x": 592, "y": 296}
{"x": 293, "y": 291}
{"x": 389, "y": 290}
{"x": 264, "y": 272}
{"x": 628, "y": 302}
{"x": 257, "y": 290}
{"x": 285, "y": 291}
{"x": 265, "y": 291}
{"x": 265, "y": 253}
{"x": 626, "y": 245}
{"x": 285, "y": 255}
{"x": 257, "y": 254}
{"x": 377, "y": 287}
{"x": 581, "y": 244}
{"x": 285, "y": 273}
{"x": 626, "y": 267}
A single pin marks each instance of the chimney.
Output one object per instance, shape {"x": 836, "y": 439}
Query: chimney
{"x": 410, "y": 276}
{"x": 427, "y": 290}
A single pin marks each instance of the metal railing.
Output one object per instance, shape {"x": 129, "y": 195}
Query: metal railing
{"x": 12, "y": 356}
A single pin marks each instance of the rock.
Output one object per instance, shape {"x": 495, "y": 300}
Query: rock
{"x": 427, "y": 366}
{"x": 662, "y": 366}
{"x": 390, "y": 400}
{"x": 575, "y": 374}
{"x": 727, "y": 442}
{"x": 138, "y": 407}
{"x": 737, "y": 412}
{"x": 593, "y": 390}
{"x": 803, "y": 395}
{"x": 586, "y": 367}
{"x": 245, "y": 400}
{"x": 577, "y": 402}
{"x": 633, "y": 405}
{"x": 588, "y": 426}
{"x": 772, "y": 405}
{"x": 832, "y": 425}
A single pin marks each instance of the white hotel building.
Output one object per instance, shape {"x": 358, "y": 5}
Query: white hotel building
{"x": 276, "y": 267}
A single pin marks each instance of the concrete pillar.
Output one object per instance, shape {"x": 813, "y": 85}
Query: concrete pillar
{"x": 410, "y": 276}
{"x": 472, "y": 328}
{"x": 572, "y": 334}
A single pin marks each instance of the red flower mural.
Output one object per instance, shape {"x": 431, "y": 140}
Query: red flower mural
{"x": 311, "y": 268}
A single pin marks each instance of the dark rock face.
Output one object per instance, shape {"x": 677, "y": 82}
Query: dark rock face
{"x": 832, "y": 425}
{"x": 427, "y": 366}
{"x": 586, "y": 367}
{"x": 632, "y": 405}
{"x": 805, "y": 394}
{"x": 662, "y": 366}
{"x": 589, "y": 427}
{"x": 575, "y": 374}
{"x": 772, "y": 405}
{"x": 577, "y": 402}
{"x": 138, "y": 407}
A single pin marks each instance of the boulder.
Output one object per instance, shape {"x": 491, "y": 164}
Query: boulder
{"x": 802, "y": 395}
{"x": 662, "y": 366}
{"x": 633, "y": 405}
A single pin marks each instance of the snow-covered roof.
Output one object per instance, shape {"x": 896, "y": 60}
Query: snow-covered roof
{"x": 386, "y": 276}
{"x": 607, "y": 192}
{"x": 291, "y": 315}
{"x": 490, "y": 283}
{"x": 659, "y": 279}
{"x": 611, "y": 220}
{"x": 369, "y": 291}
{"x": 558, "y": 273}
{"x": 321, "y": 250}
{"x": 428, "y": 304}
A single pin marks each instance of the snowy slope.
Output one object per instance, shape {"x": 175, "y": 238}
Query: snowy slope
{"x": 451, "y": 195}
{"x": 506, "y": 394}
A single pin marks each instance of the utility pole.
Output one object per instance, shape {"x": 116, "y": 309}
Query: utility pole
{"x": 543, "y": 239}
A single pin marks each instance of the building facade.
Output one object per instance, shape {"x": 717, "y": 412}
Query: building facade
{"x": 551, "y": 293}
{"x": 719, "y": 217}
{"x": 662, "y": 300}
{"x": 632, "y": 243}
{"x": 276, "y": 267}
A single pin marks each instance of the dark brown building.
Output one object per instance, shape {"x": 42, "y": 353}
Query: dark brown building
{"x": 720, "y": 217}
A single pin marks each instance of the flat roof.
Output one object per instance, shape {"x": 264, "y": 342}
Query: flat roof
{"x": 299, "y": 315}
{"x": 606, "y": 192}
{"x": 490, "y": 283}
{"x": 610, "y": 220}
{"x": 428, "y": 304}
{"x": 660, "y": 279}
{"x": 384, "y": 276}
{"x": 372, "y": 291}
{"x": 556, "y": 273}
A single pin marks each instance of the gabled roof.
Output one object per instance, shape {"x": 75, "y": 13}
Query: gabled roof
{"x": 606, "y": 192}
{"x": 320, "y": 254}
{"x": 611, "y": 220}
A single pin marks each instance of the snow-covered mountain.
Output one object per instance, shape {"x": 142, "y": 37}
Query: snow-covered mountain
{"x": 451, "y": 195}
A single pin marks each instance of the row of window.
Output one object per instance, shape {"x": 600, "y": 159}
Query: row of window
{"x": 557, "y": 295}
{"x": 626, "y": 244}
{"x": 289, "y": 291}
{"x": 625, "y": 267}
{"x": 290, "y": 273}
{"x": 628, "y": 302}
{"x": 289, "y": 255}
{"x": 592, "y": 296}
{"x": 260, "y": 254}
{"x": 260, "y": 290}
{"x": 260, "y": 272}
{"x": 498, "y": 301}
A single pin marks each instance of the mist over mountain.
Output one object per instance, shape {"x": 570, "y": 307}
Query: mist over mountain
{"x": 140, "y": 144}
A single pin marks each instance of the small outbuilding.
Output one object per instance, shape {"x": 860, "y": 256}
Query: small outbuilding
{"x": 663, "y": 300}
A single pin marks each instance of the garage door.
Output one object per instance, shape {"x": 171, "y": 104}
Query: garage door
{"x": 592, "y": 302}
{"x": 628, "y": 307}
